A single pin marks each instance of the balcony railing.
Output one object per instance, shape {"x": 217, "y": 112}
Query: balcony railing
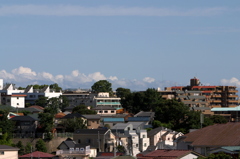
{"x": 69, "y": 152}
{"x": 108, "y": 103}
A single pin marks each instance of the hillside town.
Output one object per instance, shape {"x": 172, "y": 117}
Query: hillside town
{"x": 178, "y": 122}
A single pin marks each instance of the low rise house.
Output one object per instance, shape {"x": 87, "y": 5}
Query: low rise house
{"x": 170, "y": 154}
{"x": 163, "y": 138}
{"x": 211, "y": 137}
{"x": 25, "y": 126}
{"x": 101, "y": 139}
{"x": 71, "y": 149}
{"x": 8, "y": 152}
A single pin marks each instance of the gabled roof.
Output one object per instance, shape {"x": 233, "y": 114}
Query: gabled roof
{"x": 30, "y": 110}
{"x": 37, "y": 154}
{"x": 69, "y": 143}
{"x": 8, "y": 148}
{"x": 113, "y": 119}
{"x": 120, "y": 126}
{"x": 138, "y": 119}
{"x": 71, "y": 116}
{"x": 37, "y": 107}
{"x": 169, "y": 153}
{"x": 23, "y": 118}
{"x": 96, "y": 116}
{"x": 156, "y": 130}
{"x": 215, "y": 135}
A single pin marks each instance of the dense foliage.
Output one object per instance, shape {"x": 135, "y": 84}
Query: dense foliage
{"x": 102, "y": 86}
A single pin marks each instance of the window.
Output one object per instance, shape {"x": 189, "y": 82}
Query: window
{"x": 112, "y": 111}
{"x": 79, "y": 141}
{"x": 143, "y": 136}
{"x": 100, "y": 111}
{"x": 1, "y": 152}
{"x": 136, "y": 145}
{"x": 17, "y": 97}
{"x": 145, "y": 144}
{"x": 17, "y": 103}
{"x": 105, "y": 111}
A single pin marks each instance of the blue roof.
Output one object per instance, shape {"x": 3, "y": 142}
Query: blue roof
{"x": 138, "y": 118}
{"x": 113, "y": 119}
{"x": 226, "y": 109}
{"x": 231, "y": 148}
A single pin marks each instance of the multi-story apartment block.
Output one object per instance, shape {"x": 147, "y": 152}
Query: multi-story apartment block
{"x": 92, "y": 99}
{"x": 197, "y": 95}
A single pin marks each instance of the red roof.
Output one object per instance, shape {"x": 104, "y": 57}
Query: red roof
{"x": 216, "y": 135}
{"x": 38, "y": 154}
{"x": 19, "y": 95}
{"x": 204, "y": 86}
{"x": 168, "y": 153}
{"x": 36, "y": 106}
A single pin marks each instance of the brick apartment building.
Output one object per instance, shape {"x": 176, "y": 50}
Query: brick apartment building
{"x": 201, "y": 97}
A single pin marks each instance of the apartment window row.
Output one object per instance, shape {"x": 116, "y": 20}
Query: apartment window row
{"x": 106, "y": 111}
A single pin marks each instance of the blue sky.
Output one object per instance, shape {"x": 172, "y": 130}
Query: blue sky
{"x": 133, "y": 44}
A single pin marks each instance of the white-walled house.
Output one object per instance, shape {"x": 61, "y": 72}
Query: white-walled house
{"x": 8, "y": 152}
{"x": 17, "y": 98}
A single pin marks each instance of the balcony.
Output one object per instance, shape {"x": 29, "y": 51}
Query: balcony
{"x": 216, "y": 101}
{"x": 233, "y": 90}
{"x": 216, "y": 106}
{"x": 108, "y": 103}
{"x": 216, "y": 96}
{"x": 232, "y": 96}
{"x": 74, "y": 152}
{"x": 232, "y": 101}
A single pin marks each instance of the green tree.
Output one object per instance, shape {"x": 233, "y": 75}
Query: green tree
{"x": 151, "y": 99}
{"x": 102, "y": 86}
{"x": 40, "y": 146}
{"x": 46, "y": 123}
{"x": 21, "y": 148}
{"x": 6, "y": 125}
{"x": 42, "y": 101}
{"x": 55, "y": 87}
{"x": 73, "y": 124}
{"x": 64, "y": 102}
{"x": 5, "y": 139}
{"x": 122, "y": 92}
{"x": 82, "y": 109}
{"x": 218, "y": 119}
{"x": 28, "y": 148}
{"x": 171, "y": 111}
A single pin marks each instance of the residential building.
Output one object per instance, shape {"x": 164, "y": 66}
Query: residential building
{"x": 10, "y": 95}
{"x": 92, "y": 99}
{"x": 163, "y": 138}
{"x": 170, "y": 154}
{"x": 197, "y": 95}
{"x": 71, "y": 149}
{"x": 211, "y": 137}
{"x": 101, "y": 139}
{"x": 8, "y": 152}
{"x": 25, "y": 126}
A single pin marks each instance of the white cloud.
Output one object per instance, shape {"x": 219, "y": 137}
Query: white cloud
{"x": 148, "y": 79}
{"x": 233, "y": 82}
{"x": 76, "y": 10}
{"x": 24, "y": 76}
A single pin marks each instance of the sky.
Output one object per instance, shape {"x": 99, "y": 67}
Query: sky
{"x": 135, "y": 44}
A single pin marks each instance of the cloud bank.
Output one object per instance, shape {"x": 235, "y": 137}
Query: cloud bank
{"x": 76, "y": 10}
{"x": 24, "y": 76}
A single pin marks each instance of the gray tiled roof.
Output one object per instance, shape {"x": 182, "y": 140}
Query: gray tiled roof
{"x": 8, "y": 148}
{"x": 23, "y": 118}
{"x": 91, "y": 116}
{"x": 91, "y": 131}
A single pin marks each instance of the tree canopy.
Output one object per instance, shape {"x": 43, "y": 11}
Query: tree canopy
{"x": 102, "y": 86}
{"x": 82, "y": 109}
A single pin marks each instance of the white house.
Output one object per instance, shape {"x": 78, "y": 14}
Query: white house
{"x": 8, "y": 152}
